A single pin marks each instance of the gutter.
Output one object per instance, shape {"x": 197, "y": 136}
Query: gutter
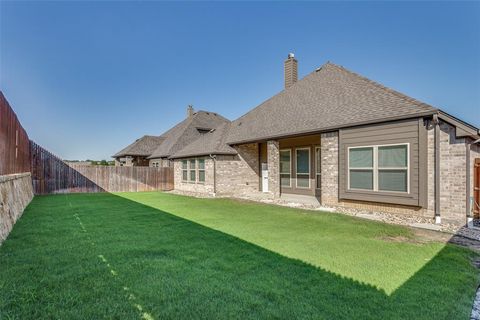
{"x": 334, "y": 128}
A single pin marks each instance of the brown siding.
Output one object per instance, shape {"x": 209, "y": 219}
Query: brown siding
{"x": 408, "y": 131}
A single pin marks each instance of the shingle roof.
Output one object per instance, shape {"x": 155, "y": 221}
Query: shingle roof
{"x": 141, "y": 147}
{"x": 212, "y": 142}
{"x": 186, "y": 132}
{"x": 329, "y": 98}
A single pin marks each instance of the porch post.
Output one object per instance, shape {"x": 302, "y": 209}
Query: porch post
{"x": 273, "y": 160}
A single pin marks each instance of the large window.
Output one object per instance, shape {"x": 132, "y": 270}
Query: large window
{"x": 379, "y": 168}
{"x": 193, "y": 170}
{"x": 184, "y": 170}
{"x": 303, "y": 167}
{"x": 285, "y": 168}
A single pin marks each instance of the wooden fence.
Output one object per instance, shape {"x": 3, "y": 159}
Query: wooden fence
{"x": 14, "y": 142}
{"x": 50, "y": 174}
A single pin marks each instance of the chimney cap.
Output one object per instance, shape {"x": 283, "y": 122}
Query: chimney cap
{"x": 291, "y": 55}
{"x": 190, "y": 111}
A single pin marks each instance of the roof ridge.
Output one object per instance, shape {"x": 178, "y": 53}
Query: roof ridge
{"x": 381, "y": 86}
{"x": 211, "y": 112}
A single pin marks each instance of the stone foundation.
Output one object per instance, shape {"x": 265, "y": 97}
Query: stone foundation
{"x": 16, "y": 192}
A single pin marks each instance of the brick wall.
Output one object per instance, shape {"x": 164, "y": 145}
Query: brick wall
{"x": 205, "y": 188}
{"x": 452, "y": 175}
{"x": 329, "y": 167}
{"x": 239, "y": 175}
{"x": 235, "y": 175}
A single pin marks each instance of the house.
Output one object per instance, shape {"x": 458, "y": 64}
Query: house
{"x": 155, "y": 151}
{"x": 136, "y": 153}
{"x": 337, "y": 139}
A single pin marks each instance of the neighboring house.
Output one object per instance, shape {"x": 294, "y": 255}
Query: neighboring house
{"x": 136, "y": 153}
{"x": 156, "y": 151}
{"x": 336, "y": 139}
{"x": 189, "y": 130}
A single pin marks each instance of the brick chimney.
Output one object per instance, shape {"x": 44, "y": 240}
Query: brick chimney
{"x": 190, "y": 111}
{"x": 291, "y": 71}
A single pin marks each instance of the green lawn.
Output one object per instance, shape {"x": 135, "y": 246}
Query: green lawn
{"x": 161, "y": 256}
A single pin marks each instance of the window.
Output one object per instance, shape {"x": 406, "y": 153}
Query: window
{"x": 360, "y": 161}
{"x": 184, "y": 170}
{"x": 393, "y": 168}
{"x": 285, "y": 168}
{"x": 192, "y": 171}
{"x": 379, "y": 168}
{"x": 303, "y": 167}
{"x": 318, "y": 168}
{"x": 201, "y": 170}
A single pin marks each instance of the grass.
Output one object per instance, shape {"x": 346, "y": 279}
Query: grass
{"x": 162, "y": 256}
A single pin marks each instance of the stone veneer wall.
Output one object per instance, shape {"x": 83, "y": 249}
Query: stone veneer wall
{"x": 452, "y": 178}
{"x": 273, "y": 159}
{"x": 16, "y": 192}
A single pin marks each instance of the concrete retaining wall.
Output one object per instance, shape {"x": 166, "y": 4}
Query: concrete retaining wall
{"x": 15, "y": 194}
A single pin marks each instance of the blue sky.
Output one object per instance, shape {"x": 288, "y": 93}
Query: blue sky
{"x": 88, "y": 78}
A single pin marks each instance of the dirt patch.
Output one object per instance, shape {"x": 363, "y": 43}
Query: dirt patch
{"x": 403, "y": 239}
{"x": 422, "y": 236}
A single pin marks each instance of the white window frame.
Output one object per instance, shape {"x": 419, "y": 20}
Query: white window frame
{"x": 375, "y": 168}
{"x": 309, "y": 168}
{"x": 290, "y": 172}
{"x": 318, "y": 174}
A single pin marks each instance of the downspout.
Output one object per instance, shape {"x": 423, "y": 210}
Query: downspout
{"x": 436, "y": 124}
{"x": 214, "y": 158}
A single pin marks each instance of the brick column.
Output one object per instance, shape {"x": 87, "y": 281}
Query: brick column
{"x": 273, "y": 159}
{"x": 329, "y": 165}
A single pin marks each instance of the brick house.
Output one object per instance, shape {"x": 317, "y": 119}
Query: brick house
{"x": 337, "y": 139}
{"x": 136, "y": 154}
{"x": 155, "y": 151}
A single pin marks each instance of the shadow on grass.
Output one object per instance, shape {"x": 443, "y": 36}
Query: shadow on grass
{"x": 180, "y": 269}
